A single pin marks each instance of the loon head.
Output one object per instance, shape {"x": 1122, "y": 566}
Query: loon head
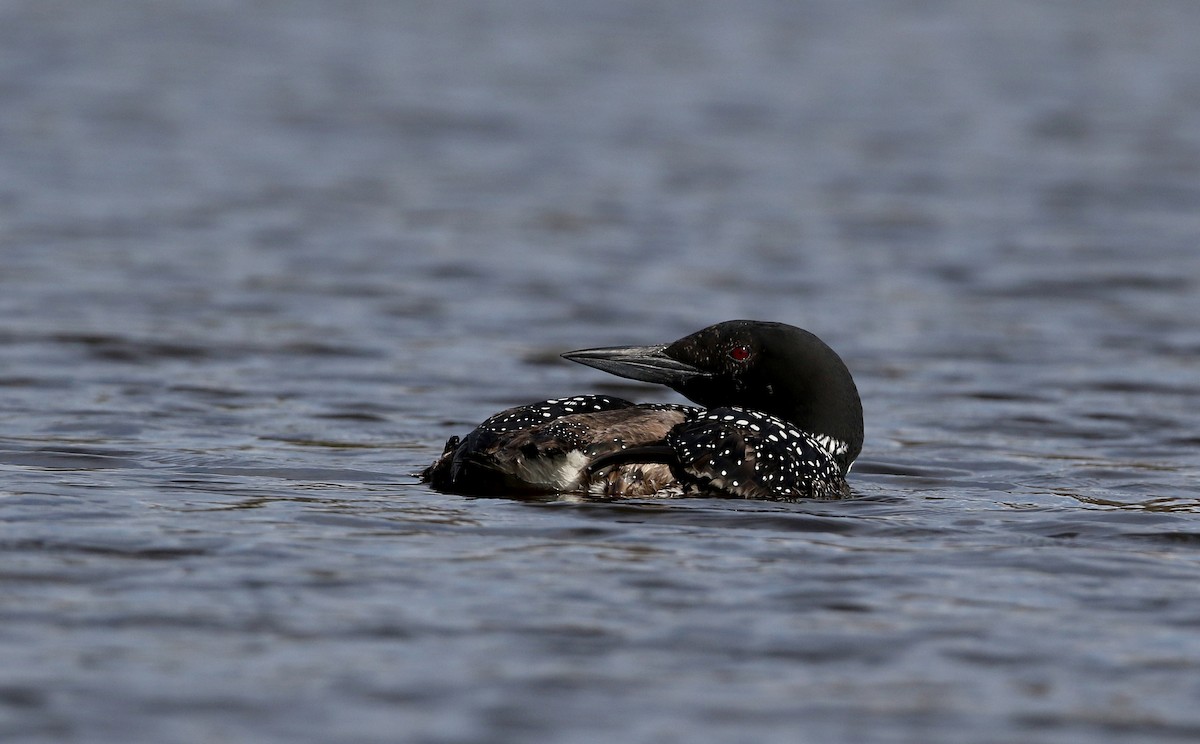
{"x": 774, "y": 368}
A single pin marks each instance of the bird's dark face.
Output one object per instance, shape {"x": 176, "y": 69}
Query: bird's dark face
{"x": 738, "y": 362}
{"x": 770, "y": 367}
{"x": 742, "y": 363}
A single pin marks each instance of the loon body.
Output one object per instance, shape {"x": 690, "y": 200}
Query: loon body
{"x": 780, "y": 419}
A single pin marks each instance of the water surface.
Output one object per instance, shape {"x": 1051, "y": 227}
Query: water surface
{"x": 257, "y": 263}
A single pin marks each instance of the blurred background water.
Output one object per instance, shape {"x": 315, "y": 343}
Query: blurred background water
{"x": 258, "y": 261}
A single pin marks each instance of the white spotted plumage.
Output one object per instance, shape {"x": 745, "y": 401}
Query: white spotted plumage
{"x": 751, "y": 454}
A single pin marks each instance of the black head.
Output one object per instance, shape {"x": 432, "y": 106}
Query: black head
{"x": 770, "y": 367}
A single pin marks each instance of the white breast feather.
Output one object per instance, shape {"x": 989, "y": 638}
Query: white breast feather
{"x": 562, "y": 473}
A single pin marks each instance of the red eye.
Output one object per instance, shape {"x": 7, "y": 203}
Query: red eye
{"x": 739, "y": 353}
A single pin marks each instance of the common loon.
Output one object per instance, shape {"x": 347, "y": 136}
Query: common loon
{"x": 781, "y": 420}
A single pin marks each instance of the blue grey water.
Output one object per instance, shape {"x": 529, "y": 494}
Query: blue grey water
{"x": 258, "y": 261}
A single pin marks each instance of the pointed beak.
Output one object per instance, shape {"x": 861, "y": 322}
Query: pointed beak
{"x": 645, "y": 363}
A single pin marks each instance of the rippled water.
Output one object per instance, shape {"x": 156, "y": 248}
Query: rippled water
{"x": 257, "y": 262}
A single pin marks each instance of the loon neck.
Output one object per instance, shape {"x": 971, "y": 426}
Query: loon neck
{"x": 816, "y": 394}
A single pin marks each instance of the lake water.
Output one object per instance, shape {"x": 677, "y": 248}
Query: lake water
{"x": 259, "y": 260}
